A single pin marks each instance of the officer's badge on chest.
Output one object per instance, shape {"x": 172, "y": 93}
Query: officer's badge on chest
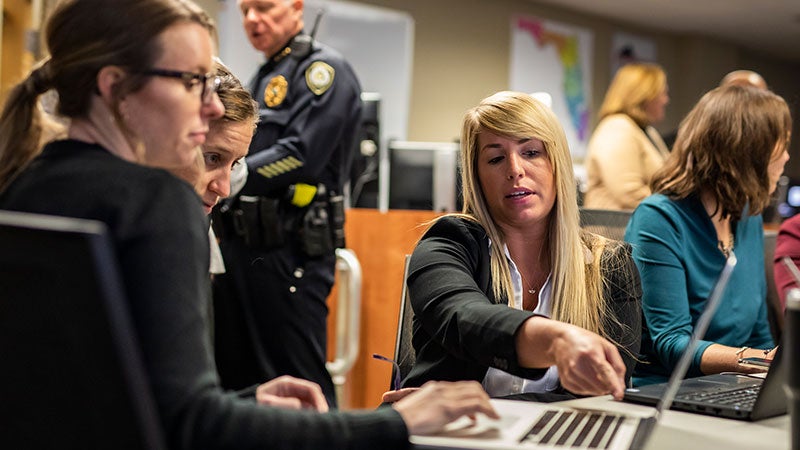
{"x": 319, "y": 77}
{"x": 275, "y": 91}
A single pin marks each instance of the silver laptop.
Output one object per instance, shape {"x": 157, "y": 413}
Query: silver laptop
{"x": 729, "y": 395}
{"x": 530, "y": 425}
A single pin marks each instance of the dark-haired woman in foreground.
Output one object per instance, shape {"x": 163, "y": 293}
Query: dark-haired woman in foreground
{"x": 135, "y": 79}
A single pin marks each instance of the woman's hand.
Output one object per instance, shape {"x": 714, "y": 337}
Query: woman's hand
{"x": 587, "y": 363}
{"x": 396, "y": 395}
{"x": 291, "y": 393}
{"x": 428, "y": 409}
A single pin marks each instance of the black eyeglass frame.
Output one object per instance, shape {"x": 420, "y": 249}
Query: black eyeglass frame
{"x": 209, "y": 82}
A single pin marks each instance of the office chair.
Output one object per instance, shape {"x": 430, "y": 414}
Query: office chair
{"x": 404, "y": 354}
{"x": 608, "y": 223}
{"x": 72, "y": 376}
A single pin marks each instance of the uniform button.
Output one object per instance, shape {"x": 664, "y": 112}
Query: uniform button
{"x": 292, "y": 289}
{"x": 298, "y": 272}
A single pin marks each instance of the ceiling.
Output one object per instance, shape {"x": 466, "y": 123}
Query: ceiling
{"x": 768, "y": 26}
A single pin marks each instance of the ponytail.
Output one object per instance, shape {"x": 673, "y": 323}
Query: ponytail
{"x": 21, "y": 124}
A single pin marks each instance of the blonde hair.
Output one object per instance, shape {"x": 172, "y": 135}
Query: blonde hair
{"x": 634, "y": 85}
{"x": 575, "y": 255}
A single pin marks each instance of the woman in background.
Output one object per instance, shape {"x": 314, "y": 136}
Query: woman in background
{"x": 135, "y": 80}
{"x": 728, "y": 156}
{"x": 227, "y": 142}
{"x": 625, "y": 150}
{"x": 484, "y": 283}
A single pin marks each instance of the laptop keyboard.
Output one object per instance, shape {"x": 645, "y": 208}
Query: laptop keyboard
{"x": 574, "y": 429}
{"x": 743, "y": 397}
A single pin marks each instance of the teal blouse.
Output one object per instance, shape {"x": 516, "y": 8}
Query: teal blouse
{"x": 675, "y": 249}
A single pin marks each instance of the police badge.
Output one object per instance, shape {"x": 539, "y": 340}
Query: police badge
{"x": 275, "y": 91}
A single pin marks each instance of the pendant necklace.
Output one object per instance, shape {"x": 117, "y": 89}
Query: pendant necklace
{"x": 726, "y": 249}
{"x": 530, "y": 290}
{"x": 531, "y": 305}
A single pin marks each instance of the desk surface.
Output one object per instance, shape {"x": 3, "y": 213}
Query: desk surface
{"x": 687, "y": 431}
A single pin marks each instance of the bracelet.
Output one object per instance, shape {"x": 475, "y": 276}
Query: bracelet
{"x": 741, "y": 351}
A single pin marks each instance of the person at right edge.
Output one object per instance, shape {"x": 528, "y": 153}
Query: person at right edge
{"x": 278, "y": 235}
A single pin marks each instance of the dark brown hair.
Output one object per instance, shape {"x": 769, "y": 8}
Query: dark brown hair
{"x": 724, "y": 147}
{"x": 82, "y": 37}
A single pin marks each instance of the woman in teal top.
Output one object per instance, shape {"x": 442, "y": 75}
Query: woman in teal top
{"x": 728, "y": 156}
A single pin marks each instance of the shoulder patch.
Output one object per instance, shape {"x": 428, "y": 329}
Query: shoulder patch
{"x": 319, "y": 77}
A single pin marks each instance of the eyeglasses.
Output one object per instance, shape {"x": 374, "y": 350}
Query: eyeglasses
{"x": 396, "y": 381}
{"x": 209, "y": 82}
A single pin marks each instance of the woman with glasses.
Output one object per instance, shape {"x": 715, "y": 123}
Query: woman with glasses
{"x": 132, "y": 77}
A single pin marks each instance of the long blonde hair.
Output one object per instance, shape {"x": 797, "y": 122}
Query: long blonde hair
{"x": 574, "y": 255}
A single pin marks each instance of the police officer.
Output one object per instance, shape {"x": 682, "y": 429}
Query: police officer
{"x": 279, "y": 234}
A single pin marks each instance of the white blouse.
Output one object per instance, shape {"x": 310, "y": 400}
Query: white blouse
{"x": 499, "y": 383}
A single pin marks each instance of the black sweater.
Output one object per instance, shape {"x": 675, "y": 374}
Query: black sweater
{"x": 160, "y": 236}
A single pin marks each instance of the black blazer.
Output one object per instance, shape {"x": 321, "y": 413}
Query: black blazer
{"x": 460, "y": 329}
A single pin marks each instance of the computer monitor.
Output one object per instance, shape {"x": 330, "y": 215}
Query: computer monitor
{"x": 366, "y": 154}
{"x": 71, "y": 375}
{"x": 424, "y": 175}
{"x": 786, "y": 199}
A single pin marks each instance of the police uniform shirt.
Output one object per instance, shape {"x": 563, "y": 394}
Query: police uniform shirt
{"x": 310, "y": 106}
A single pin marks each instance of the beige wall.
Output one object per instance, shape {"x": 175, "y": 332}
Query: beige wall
{"x": 461, "y": 54}
{"x": 211, "y": 6}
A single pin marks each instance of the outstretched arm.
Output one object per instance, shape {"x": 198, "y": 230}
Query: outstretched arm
{"x": 587, "y": 363}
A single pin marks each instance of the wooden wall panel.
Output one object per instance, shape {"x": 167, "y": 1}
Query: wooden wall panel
{"x": 380, "y": 241}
